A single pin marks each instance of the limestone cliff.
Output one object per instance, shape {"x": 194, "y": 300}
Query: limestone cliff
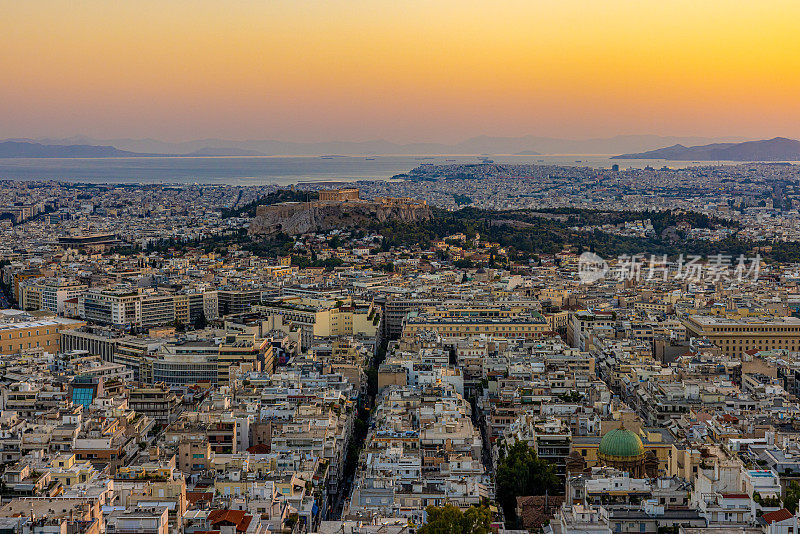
{"x": 302, "y": 217}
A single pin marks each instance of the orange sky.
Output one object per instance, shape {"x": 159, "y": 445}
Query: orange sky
{"x": 403, "y": 70}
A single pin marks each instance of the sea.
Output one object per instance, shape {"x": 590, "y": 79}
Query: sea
{"x": 272, "y": 170}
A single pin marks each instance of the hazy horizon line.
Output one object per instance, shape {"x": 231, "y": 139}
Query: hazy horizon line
{"x": 51, "y": 137}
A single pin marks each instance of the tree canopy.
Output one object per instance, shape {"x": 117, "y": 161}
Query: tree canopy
{"x": 792, "y": 496}
{"x": 449, "y": 519}
{"x": 521, "y": 472}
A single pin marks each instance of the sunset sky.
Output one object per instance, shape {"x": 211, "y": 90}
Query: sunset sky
{"x": 401, "y": 70}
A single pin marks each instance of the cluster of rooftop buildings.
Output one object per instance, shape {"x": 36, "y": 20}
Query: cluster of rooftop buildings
{"x": 182, "y": 390}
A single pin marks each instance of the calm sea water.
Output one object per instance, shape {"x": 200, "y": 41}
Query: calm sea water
{"x": 281, "y": 170}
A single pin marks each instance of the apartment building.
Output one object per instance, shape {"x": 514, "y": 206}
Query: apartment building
{"x": 121, "y": 307}
{"x": 146, "y": 521}
{"x": 190, "y": 362}
{"x": 191, "y": 305}
{"x": 138, "y": 309}
{"x": 157, "y": 402}
{"x": 237, "y": 300}
{"x": 131, "y": 352}
{"x": 49, "y": 294}
{"x": 395, "y": 311}
{"x": 239, "y": 349}
{"x": 157, "y": 310}
{"x": 184, "y": 363}
{"x": 17, "y": 279}
{"x": 583, "y": 322}
{"x": 322, "y": 317}
{"x": 461, "y": 322}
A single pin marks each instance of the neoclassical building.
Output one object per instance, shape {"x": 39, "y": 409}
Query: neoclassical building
{"x": 622, "y": 449}
{"x": 619, "y": 448}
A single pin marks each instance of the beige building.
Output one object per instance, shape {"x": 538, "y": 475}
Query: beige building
{"x": 470, "y": 321}
{"x": 735, "y": 336}
{"x": 241, "y": 349}
{"x": 16, "y": 337}
{"x": 322, "y": 317}
{"x": 49, "y": 294}
{"x": 653, "y": 442}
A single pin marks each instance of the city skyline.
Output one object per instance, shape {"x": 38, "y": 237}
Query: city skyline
{"x": 410, "y": 72}
{"x": 373, "y": 267}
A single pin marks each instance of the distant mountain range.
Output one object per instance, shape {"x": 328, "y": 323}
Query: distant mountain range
{"x": 217, "y": 151}
{"x": 30, "y": 149}
{"x": 21, "y": 149}
{"x": 777, "y": 149}
{"x": 81, "y": 146}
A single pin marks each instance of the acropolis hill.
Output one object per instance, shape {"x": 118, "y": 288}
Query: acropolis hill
{"x": 336, "y": 209}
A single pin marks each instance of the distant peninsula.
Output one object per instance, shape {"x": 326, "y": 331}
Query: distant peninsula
{"x": 30, "y": 149}
{"x": 23, "y": 149}
{"x": 777, "y": 149}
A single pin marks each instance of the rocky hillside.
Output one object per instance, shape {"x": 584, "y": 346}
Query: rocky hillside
{"x": 301, "y": 217}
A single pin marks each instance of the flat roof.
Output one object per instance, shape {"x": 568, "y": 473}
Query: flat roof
{"x": 33, "y": 324}
{"x": 710, "y": 320}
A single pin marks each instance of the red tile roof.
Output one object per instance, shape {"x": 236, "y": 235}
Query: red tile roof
{"x": 778, "y": 515}
{"x": 534, "y": 513}
{"x": 197, "y": 496}
{"x": 234, "y": 517}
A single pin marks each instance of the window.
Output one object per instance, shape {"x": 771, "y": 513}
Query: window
{"x": 83, "y": 396}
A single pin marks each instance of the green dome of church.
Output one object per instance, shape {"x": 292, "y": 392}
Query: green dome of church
{"x": 621, "y": 443}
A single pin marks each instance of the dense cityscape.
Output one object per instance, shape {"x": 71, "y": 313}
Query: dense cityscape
{"x": 212, "y": 358}
{"x": 399, "y": 267}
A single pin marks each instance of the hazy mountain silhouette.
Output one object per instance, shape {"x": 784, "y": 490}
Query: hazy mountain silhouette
{"x": 31, "y": 149}
{"x": 23, "y": 149}
{"x": 524, "y": 145}
{"x": 777, "y": 149}
{"x": 230, "y": 151}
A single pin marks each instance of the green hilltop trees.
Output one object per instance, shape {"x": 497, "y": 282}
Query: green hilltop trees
{"x": 520, "y": 473}
{"x": 449, "y": 519}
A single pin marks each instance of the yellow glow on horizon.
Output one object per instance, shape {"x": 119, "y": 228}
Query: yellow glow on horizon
{"x": 405, "y": 70}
